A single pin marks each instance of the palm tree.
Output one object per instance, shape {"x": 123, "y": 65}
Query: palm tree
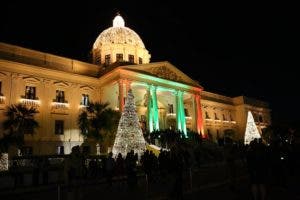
{"x": 19, "y": 121}
{"x": 98, "y": 122}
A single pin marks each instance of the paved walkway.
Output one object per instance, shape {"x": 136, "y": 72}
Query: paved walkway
{"x": 210, "y": 182}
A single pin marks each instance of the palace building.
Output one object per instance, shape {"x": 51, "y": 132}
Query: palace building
{"x": 165, "y": 97}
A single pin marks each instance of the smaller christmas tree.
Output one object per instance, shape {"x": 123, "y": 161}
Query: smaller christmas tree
{"x": 251, "y": 130}
{"x": 129, "y": 135}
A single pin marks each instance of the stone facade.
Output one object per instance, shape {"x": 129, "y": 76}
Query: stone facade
{"x": 165, "y": 97}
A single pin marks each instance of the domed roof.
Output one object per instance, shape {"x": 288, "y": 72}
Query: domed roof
{"x": 118, "y": 34}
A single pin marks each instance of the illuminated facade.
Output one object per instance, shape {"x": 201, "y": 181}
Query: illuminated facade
{"x": 165, "y": 97}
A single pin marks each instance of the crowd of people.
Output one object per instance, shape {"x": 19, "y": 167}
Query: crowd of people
{"x": 174, "y": 161}
{"x": 267, "y": 165}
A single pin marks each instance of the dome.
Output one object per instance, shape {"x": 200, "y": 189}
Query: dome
{"x": 120, "y": 39}
{"x": 118, "y": 35}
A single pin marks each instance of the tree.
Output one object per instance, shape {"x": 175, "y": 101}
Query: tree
{"x": 98, "y": 122}
{"x": 19, "y": 121}
{"x": 251, "y": 130}
{"x": 129, "y": 136}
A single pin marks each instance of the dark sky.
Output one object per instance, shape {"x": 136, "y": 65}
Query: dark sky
{"x": 230, "y": 48}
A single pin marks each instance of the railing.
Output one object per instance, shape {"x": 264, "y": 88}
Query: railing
{"x": 171, "y": 114}
{"x": 60, "y": 107}
{"x": 30, "y": 102}
{"x": 218, "y": 120}
{"x": 2, "y": 99}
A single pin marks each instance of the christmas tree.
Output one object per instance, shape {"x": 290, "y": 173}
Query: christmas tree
{"x": 251, "y": 129}
{"x": 129, "y": 135}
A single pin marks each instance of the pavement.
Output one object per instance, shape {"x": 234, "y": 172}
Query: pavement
{"x": 208, "y": 182}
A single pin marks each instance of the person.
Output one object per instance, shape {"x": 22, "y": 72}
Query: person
{"x": 258, "y": 169}
{"x": 130, "y": 161}
{"x": 120, "y": 165}
{"x": 109, "y": 168}
{"x": 230, "y": 158}
{"x": 73, "y": 171}
{"x": 45, "y": 169}
{"x": 18, "y": 176}
{"x": 177, "y": 161}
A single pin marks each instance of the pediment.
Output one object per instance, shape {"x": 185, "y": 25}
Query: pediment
{"x": 86, "y": 88}
{"x": 61, "y": 84}
{"x": 2, "y": 74}
{"x": 164, "y": 70}
{"x": 30, "y": 79}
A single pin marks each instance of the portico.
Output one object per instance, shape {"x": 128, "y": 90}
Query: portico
{"x": 162, "y": 103}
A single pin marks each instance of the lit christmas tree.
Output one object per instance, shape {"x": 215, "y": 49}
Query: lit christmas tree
{"x": 251, "y": 129}
{"x": 129, "y": 135}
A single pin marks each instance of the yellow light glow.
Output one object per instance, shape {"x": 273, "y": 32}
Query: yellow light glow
{"x": 60, "y": 104}
{"x": 30, "y": 102}
{"x": 171, "y": 114}
{"x": 82, "y": 106}
{"x": 118, "y": 21}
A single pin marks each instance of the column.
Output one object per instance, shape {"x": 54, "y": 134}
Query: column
{"x": 121, "y": 95}
{"x": 154, "y": 107}
{"x": 180, "y": 115}
{"x": 128, "y": 86}
{"x": 149, "y": 110}
{"x": 199, "y": 118}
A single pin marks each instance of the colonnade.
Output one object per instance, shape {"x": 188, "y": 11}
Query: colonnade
{"x": 152, "y": 108}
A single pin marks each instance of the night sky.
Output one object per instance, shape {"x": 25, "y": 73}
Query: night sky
{"x": 230, "y": 48}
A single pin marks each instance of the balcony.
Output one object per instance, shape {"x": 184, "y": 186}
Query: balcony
{"x": 171, "y": 115}
{"x": 2, "y": 101}
{"x": 188, "y": 117}
{"x": 30, "y": 102}
{"x": 60, "y": 108}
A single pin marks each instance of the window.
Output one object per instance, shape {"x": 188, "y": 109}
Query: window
{"x": 224, "y": 118}
{"x": 260, "y": 118}
{"x": 170, "y": 108}
{"x": 208, "y": 131}
{"x": 206, "y": 115}
{"x": 59, "y": 127}
{"x": 216, "y": 117}
{"x": 119, "y": 57}
{"x": 1, "y": 88}
{"x": 60, "y": 150}
{"x": 131, "y": 58}
{"x": 186, "y": 112}
{"x": 30, "y": 92}
{"x": 230, "y": 117}
{"x": 107, "y": 59}
{"x": 210, "y": 136}
{"x": 85, "y": 99}
{"x": 140, "y": 60}
{"x": 143, "y": 118}
{"x": 60, "y": 96}
{"x": 98, "y": 59}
